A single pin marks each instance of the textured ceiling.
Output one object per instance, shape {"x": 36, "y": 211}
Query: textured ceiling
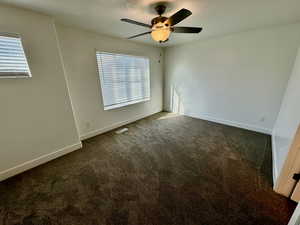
{"x": 217, "y": 17}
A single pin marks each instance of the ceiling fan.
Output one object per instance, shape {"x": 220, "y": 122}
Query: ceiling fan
{"x": 161, "y": 26}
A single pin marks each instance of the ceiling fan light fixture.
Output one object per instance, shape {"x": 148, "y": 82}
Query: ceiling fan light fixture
{"x": 160, "y": 32}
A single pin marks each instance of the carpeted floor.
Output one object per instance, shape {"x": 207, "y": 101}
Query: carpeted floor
{"x": 166, "y": 170}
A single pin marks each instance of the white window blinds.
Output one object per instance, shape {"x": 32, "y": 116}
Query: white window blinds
{"x": 125, "y": 79}
{"x": 13, "y": 61}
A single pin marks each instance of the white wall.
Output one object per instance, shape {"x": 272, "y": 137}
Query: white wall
{"x": 288, "y": 119}
{"x": 78, "y": 50}
{"x": 238, "y": 79}
{"x": 36, "y": 118}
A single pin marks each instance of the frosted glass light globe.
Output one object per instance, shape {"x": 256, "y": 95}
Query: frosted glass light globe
{"x": 160, "y": 32}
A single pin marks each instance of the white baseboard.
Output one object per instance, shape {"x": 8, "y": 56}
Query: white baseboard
{"x": 38, "y": 161}
{"x": 274, "y": 160}
{"x": 114, "y": 126}
{"x": 232, "y": 123}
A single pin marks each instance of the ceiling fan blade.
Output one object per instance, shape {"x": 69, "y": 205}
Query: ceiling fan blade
{"x": 179, "y": 16}
{"x": 138, "y": 35}
{"x": 187, "y": 29}
{"x": 136, "y": 23}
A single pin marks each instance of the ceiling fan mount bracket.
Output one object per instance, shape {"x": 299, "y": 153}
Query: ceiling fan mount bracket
{"x": 160, "y": 9}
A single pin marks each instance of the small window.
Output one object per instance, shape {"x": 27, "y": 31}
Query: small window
{"x": 125, "y": 79}
{"x": 13, "y": 61}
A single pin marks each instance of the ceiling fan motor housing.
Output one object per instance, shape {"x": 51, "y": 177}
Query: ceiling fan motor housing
{"x": 159, "y": 19}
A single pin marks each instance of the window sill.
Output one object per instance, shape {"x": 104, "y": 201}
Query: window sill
{"x": 125, "y": 104}
{"x": 14, "y": 75}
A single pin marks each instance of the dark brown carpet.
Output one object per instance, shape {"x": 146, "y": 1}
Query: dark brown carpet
{"x": 167, "y": 170}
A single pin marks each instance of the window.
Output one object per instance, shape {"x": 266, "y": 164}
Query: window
{"x": 125, "y": 79}
{"x": 13, "y": 61}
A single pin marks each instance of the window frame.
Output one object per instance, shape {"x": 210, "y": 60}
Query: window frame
{"x": 123, "y": 104}
{"x": 15, "y": 75}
